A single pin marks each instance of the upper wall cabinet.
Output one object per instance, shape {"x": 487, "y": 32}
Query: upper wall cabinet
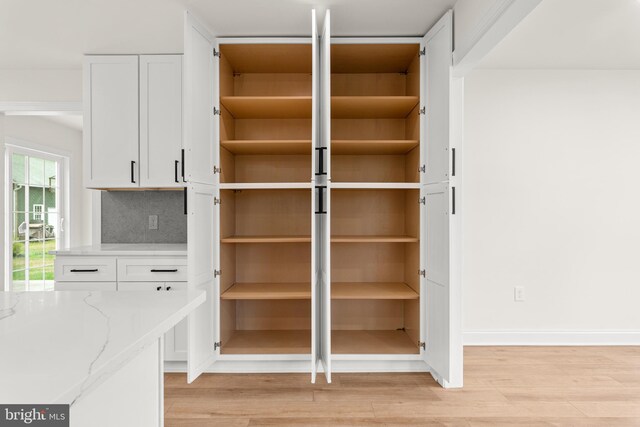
{"x": 133, "y": 121}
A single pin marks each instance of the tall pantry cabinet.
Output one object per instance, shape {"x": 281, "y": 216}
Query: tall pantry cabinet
{"x": 321, "y": 202}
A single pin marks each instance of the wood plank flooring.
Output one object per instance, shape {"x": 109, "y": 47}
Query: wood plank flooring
{"x": 504, "y": 386}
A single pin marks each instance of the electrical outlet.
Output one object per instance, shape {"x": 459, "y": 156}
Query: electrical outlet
{"x": 518, "y": 293}
{"x": 153, "y": 222}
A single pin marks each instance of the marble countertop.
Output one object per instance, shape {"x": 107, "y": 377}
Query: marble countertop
{"x": 55, "y": 346}
{"x": 139, "y": 249}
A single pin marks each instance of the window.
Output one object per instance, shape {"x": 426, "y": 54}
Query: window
{"x": 35, "y": 203}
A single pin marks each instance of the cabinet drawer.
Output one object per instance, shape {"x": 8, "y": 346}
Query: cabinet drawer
{"x": 85, "y": 269}
{"x": 141, "y": 286}
{"x": 85, "y": 286}
{"x": 152, "y": 269}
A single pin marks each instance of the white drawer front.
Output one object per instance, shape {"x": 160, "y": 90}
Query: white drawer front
{"x": 152, "y": 269}
{"x": 85, "y": 286}
{"x": 141, "y": 286}
{"x": 175, "y": 286}
{"x": 85, "y": 269}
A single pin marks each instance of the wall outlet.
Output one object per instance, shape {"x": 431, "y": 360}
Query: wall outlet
{"x": 518, "y": 293}
{"x": 153, "y": 222}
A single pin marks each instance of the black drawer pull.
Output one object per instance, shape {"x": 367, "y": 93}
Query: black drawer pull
{"x": 175, "y": 171}
{"x": 133, "y": 178}
{"x": 87, "y": 270}
{"x": 173, "y": 270}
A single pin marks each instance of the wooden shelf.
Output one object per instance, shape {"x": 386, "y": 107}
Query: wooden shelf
{"x": 374, "y": 239}
{"x": 372, "y": 342}
{"x": 268, "y": 107}
{"x": 373, "y": 146}
{"x": 269, "y": 58}
{"x": 266, "y": 239}
{"x": 372, "y": 290}
{"x": 375, "y": 185}
{"x": 267, "y": 291}
{"x": 268, "y": 146}
{"x": 373, "y": 58}
{"x": 372, "y": 107}
{"x": 268, "y": 342}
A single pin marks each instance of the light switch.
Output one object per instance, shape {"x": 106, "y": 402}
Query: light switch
{"x": 153, "y": 222}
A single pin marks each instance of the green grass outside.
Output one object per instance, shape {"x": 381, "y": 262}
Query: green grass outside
{"x": 39, "y": 260}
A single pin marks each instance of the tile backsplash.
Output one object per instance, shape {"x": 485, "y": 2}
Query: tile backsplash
{"x": 125, "y": 217}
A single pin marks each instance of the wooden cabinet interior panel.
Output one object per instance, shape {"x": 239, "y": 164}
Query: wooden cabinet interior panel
{"x": 268, "y": 146}
{"x": 371, "y": 146}
{"x": 373, "y": 58}
{"x": 278, "y": 84}
{"x": 369, "y": 84}
{"x": 268, "y": 342}
{"x": 372, "y": 342}
{"x": 364, "y": 107}
{"x": 268, "y": 291}
{"x": 249, "y": 129}
{"x": 268, "y": 58}
{"x": 368, "y": 168}
{"x": 372, "y": 290}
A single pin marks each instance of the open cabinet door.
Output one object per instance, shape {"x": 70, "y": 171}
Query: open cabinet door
{"x": 315, "y": 265}
{"x": 438, "y": 59}
{"x": 202, "y": 258}
{"x": 325, "y": 195}
{"x": 200, "y": 96}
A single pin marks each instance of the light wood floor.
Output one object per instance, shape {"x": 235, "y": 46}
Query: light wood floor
{"x": 504, "y": 386}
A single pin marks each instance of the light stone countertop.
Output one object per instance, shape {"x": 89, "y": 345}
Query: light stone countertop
{"x": 127, "y": 249}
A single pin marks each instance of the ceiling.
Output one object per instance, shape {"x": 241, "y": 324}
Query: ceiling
{"x": 73, "y": 121}
{"x": 55, "y": 33}
{"x": 573, "y": 34}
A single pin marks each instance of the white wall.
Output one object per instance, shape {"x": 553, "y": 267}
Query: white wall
{"x": 552, "y": 202}
{"x": 40, "y": 85}
{"x": 46, "y": 133}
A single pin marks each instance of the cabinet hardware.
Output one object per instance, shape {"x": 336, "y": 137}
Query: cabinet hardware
{"x": 158, "y": 288}
{"x": 216, "y": 112}
{"x": 422, "y": 169}
{"x": 168, "y": 288}
{"x": 320, "y": 205}
{"x": 216, "y": 53}
{"x": 158, "y": 270}
{"x": 422, "y": 273}
{"x": 182, "y": 164}
{"x": 321, "y": 151}
{"x": 175, "y": 170}
{"x": 453, "y": 200}
{"x": 217, "y": 273}
{"x": 133, "y": 166}
{"x": 422, "y": 200}
{"x": 217, "y": 201}
{"x": 422, "y": 110}
{"x": 84, "y": 270}
{"x": 217, "y": 170}
{"x": 453, "y": 162}
{"x": 422, "y": 52}
{"x": 185, "y": 200}
{"x": 422, "y": 345}
{"x": 216, "y": 345}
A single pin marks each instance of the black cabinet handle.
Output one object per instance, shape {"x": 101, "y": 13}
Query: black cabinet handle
{"x": 133, "y": 166}
{"x": 84, "y": 270}
{"x": 175, "y": 171}
{"x": 453, "y": 200}
{"x": 158, "y": 288}
{"x": 185, "y": 200}
{"x": 320, "y": 204}
{"x": 157, "y": 270}
{"x": 321, "y": 151}
{"x": 168, "y": 288}
{"x": 453, "y": 162}
{"x": 182, "y": 165}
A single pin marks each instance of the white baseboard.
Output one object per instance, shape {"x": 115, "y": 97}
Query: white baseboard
{"x": 506, "y": 338}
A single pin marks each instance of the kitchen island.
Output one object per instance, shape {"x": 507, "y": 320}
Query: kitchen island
{"x": 99, "y": 352}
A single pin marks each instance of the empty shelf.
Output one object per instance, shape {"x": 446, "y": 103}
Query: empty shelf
{"x": 373, "y": 146}
{"x": 268, "y": 146}
{"x": 266, "y": 239}
{"x": 267, "y": 291}
{"x": 372, "y": 107}
{"x": 372, "y": 342}
{"x": 268, "y": 107}
{"x": 374, "y": 239}
{"x": 268, "y": 342}
{"x": 372, "y": 290}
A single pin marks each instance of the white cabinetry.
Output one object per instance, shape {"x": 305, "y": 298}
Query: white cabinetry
{"x": 128, "y": 273}
{"x": 133, "y": 121}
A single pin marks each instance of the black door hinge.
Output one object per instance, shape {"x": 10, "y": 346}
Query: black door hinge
{"x": 216, "y": 53}
{"x": 216, "y": 112}
{"x": 217, "y": 170}
{"x": 217, "y": 273}
{"x": 216, "y": 201}
{"x": 422, "y": 169}
{"x": 422, "y": 52}
{"x": 422, "y": 200}
{"x": 422, "y": 273}
{"x": 422, "y": 110}
{"x": 422, "y": 345}
{"x": 216, "y": 345}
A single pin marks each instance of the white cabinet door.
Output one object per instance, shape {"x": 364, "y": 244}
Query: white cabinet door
{"x": 175, "y": 341}
{"x": 161, "y": 121}
{"x": 442, "y": 305}
{"x": 315, "y": 265}
{"x": 201, "y": 95}
{"x": 111, "y": 121}
{"x": 203, "y": 258}
{"x": 325, "y": 131}
{"x": 436, "y": 95}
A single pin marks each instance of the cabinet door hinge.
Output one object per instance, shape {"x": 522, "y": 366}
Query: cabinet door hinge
{"x": 422, "y": 273}
{"x": 423, "y": 110}
{"x": 216, "y": 53}
{"x": 216, "y": 345}
{"x": 422, "y": 345}
{"x": 216, "y": 201}
{"x": 216, "y": 112}
{"x": 217, "y": 273}
{"x": 422, "y": 52}
{"x": 422, "y": 169}
{"x": 217, "y": 170}
{"x": 422, "y": 200}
